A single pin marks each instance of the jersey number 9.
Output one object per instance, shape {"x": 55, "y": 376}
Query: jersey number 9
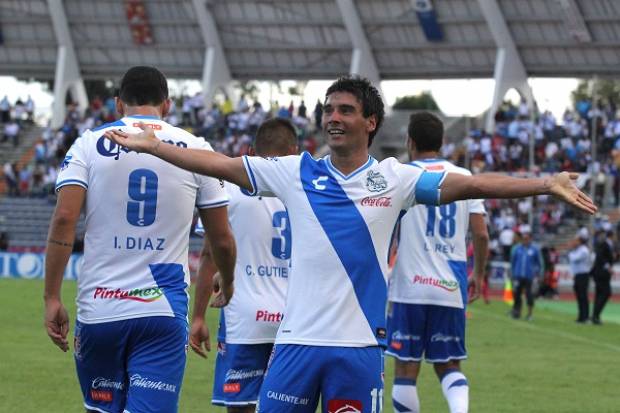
{"x": 142, "y": 190}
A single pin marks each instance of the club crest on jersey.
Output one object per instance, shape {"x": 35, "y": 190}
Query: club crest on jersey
{"x": 375, "y": 182}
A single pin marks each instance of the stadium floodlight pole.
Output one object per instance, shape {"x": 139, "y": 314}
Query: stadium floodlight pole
{"x": 67, "y": 74}
{"x": 363, "y": 61}
{"x": 216, "y": 72}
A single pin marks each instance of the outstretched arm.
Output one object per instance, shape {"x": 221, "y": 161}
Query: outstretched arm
{"x": 195, "y": 160}
{"x": 456, "y": 187}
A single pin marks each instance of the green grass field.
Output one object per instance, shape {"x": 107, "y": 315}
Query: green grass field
{"x": 548, "y": 365}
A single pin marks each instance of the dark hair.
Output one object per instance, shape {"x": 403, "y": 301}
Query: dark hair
{"x": 366, "y": 94}
{"x": 274, "y": 137}
{"x": 426, "y": 131}
{"x": 143, "y": 85}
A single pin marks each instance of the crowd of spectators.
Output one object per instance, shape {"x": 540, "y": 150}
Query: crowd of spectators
{"x": 565, "y": 146}
{"x": 229, "y": 129}
{"x": 14, "y": 116}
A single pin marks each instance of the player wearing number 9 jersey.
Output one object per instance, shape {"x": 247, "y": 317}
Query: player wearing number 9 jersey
{"x": 428, "y": 287}
{"x": 132, "y": 329}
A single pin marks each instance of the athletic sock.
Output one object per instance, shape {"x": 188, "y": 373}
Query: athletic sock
{"x": 456, "y": 391}
{"x": 405, "y": 396}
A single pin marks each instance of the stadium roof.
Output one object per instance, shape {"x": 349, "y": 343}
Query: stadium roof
{"x": 311, "y": 39}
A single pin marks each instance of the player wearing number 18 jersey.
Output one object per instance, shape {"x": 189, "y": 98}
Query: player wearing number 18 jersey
{"x": 132, "y": 329}
{"x": 428, "y": 288}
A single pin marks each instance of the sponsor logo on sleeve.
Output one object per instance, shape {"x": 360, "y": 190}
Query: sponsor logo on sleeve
{"x": 65, "y": 163}
{"x": 344, "y": 406}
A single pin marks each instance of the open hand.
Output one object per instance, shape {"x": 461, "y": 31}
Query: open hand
{"x": 562, "y": 186}
{"x": 144, "y": 141}
{"x": 199, "y": 338}
{"x": 57, "y": 323}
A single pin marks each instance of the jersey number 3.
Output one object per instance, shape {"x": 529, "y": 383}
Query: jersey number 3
{"x": 447, "y": 221}
{"x": 142, "y": 191}
{"x": 281, "y": 243}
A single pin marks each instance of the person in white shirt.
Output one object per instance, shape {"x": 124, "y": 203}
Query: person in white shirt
{"x": 131, "y": 332}
{"x": 428, "y": 289}
{"x": 249, "y": 323}
{"x": 580, "y": 260}
{"x": 344, "y": 207}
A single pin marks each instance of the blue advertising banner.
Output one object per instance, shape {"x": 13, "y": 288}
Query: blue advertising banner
{"x": 31, "y": 265}
{"x": 428, "y": 20}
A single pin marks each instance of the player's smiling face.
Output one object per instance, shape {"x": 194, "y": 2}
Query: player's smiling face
{"x": 344, "y": 123}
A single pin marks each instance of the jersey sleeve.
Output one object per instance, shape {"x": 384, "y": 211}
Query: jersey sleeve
{"x": 476, "y": 206}
{"x": 271, "y": 176}
{"x": 74, "y": 168}
{"x": 211, "y": 191}
{"x": 420, "y": 186}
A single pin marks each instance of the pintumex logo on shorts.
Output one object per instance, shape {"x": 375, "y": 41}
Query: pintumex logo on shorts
{"x": 144, "y": 295}
{"x": 444, "y": 284}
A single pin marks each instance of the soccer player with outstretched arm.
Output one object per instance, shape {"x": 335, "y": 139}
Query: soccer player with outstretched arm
{"x": 342, "y": 209}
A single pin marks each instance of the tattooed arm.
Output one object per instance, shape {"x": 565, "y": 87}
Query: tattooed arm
{"x": 59, "y": 246}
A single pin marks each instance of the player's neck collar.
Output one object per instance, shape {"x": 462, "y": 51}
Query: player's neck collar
{"x": 336, "y": 172}
{"x": 429, "y": 160}
{"x": 143, "y": 116}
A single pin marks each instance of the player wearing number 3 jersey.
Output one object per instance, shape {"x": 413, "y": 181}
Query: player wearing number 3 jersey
{"x": 131, "y": 332}
{"x": 248, "y": 324}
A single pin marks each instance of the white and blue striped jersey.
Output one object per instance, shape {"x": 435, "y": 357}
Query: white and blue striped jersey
{"x": 138, "y": 217}
{"x": 263, "y": 236}
{"x": 430, "y": 266}
{"x": 341, "y": 226}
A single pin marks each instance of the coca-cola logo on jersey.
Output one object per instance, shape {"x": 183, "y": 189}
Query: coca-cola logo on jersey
{"x": 380, "y": 202}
